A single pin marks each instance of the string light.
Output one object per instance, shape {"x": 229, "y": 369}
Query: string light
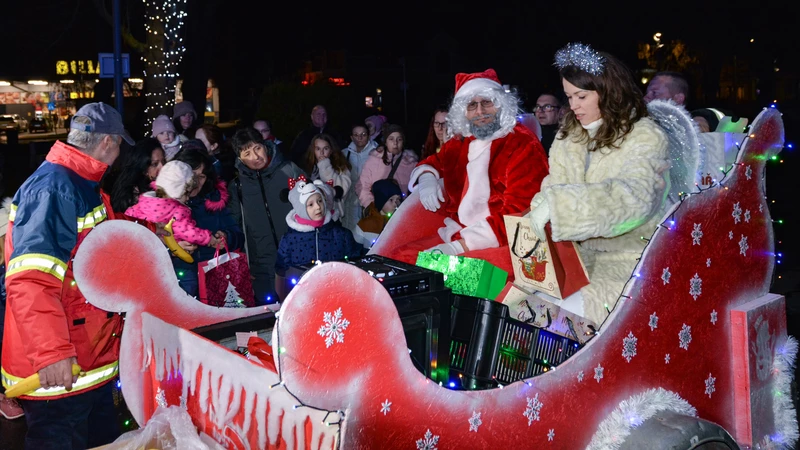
{"x": 166, "y": 17}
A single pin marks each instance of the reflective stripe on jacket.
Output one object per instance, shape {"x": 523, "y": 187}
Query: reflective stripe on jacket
{"x": 47, "y": 317}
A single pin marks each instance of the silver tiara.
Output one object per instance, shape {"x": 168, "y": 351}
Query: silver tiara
{"x": 581, "y": 56}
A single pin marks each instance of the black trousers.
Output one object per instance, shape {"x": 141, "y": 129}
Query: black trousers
{"x": 77, "y": 422}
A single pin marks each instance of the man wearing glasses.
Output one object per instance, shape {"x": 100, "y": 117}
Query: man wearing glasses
{"x": 492, "y": 167}
{"x": 548, "y": 113}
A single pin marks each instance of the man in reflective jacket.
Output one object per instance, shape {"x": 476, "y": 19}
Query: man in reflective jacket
{"x": 49, "y": 325}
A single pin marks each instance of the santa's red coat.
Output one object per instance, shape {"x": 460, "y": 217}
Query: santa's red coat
{"x": 517, "y": 165}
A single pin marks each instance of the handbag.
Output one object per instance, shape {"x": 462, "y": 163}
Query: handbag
{"x": 224, "y": 280}
{"x": 464, "y": 275}
{"x": 554, "y": 268}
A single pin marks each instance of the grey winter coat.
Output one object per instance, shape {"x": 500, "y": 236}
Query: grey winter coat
{"x": 260, "y": 244}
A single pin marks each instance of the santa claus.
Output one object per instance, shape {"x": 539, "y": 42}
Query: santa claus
{"x": 490, "y": 166}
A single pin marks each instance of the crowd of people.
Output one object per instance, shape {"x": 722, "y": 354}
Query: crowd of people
{"x": 595, "y": 169}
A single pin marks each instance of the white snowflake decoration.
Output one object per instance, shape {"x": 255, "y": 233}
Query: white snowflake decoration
{"x": 580, "y": 377}
{"x": 333, "y": 330}
{"x": 695, "y": 286}
{"x": 551, "y": 434}
{"x": 666, "y": 358}
{"x": 386, "y": 407}
{"x": 748, "y": 172}
{"x": 428, "y": 442}
{"x": 475, "y": 421}
{"x": 743, "y": 245}
{"x": 737, "y": 213}
{"x": 708, "y": 262}
{"x": 665, "y": 275}
{"x": 629, "y": 346}
{"x": 653, "y": 321}
{"x": 710, "y": 388}
{"x": 161, "y": 398}
{"x": 598, "y": 373}
{"x": 747, "y": 215}
{"x": 730, "y": 235}
{"x": 760, "y": 208}
{"x": 533, "y": 409}
{"x": 685, "y": 336}
{"x": 697, "y": 234}
{"x": 714, "y": 316}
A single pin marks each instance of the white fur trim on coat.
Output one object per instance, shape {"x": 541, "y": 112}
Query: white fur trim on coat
{"x": 417, "y": 172}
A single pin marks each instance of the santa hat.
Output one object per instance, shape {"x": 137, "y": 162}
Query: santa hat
{"x": 162, "y": 124}
{"x": 175, "y": 178}
{"x": 470, "y": 84}
{"x": 301, "y": 191}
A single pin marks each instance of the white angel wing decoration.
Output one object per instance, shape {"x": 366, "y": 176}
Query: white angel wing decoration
{"x": 686, "y": 154}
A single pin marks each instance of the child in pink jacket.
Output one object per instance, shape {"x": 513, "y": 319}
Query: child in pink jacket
{"x": 173, "y": 184}
{"x": 389, "y": 161}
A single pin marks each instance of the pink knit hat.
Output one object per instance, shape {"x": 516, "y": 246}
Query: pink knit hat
{"x": 162, "y": 124}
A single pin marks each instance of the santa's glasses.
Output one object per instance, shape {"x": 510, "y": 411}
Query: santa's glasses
{"x": 472, "y": 106}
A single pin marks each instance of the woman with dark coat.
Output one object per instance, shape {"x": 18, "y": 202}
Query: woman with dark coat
{"x": 208, "y": 204}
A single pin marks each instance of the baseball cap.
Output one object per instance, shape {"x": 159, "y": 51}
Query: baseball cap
{"x": 104, "y": 119}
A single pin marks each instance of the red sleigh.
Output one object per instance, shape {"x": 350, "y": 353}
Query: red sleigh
{"x": 695, "y": 333}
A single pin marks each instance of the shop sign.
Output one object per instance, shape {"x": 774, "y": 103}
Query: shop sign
{"x": 77, "y": 67}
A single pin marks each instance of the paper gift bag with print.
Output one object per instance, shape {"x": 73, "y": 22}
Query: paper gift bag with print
{"x": 542, "y": 313}
{"x": 464, "y": 275}
{"x": 554, "y": 268}
{"x": 225, "y": 281}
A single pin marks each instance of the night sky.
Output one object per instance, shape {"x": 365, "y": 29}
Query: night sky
{"x": 518, "y": 38}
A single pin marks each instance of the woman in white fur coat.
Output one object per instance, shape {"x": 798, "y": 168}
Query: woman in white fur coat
{"x": 608, "y": 176}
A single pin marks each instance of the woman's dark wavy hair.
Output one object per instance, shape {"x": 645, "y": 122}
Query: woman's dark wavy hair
{"x": 432, "y": 142}
{"x": 621, "y": 103}
{"x": 195, "y": 158}
{"x": 132, "y": 179}
{"x": 338, "y": 160}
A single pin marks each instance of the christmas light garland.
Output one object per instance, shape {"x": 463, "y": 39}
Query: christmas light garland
{"x": 170, "y": 14}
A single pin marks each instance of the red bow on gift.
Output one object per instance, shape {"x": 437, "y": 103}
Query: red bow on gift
{"x": 293, "y": 181}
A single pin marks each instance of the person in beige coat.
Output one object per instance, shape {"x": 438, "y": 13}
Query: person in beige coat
{"x": 608, "y": 176}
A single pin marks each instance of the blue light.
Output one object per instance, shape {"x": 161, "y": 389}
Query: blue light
{"x": 772, "y": 105}
{"x": 780, "y": 254}
{"x": 269, "y": 297}
{"x": 779, "y": 261}
{"x": 452, "y": 385}
{"x": 576, "y": 345}
{"x": 672, "y": 222}
{"x": 638, "y": 275}
{"x": 119, "y": 383}
{"x": 789, "y": 145}
{"x": 294, "y": 281}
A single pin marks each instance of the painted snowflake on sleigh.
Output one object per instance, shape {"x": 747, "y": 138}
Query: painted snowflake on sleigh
{"x": 695, "y": 286}
{"x": 333, "y": 329}
{"x": 685, "y": 336}
{"x": 475, "y": 421}
{"x": 710, "y": 385}
{"x": 737, "y": 213}
{"x": 629, "y": 346}
{"x": 533, "y": 409}
{"x": 428, "y": 442}
{"x": 697, "y": 234}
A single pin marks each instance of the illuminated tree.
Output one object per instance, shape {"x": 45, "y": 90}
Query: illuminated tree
{"x": 161, "y": 51}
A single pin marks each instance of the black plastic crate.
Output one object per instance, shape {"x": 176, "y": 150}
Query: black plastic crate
{"x": 488, "y": 348}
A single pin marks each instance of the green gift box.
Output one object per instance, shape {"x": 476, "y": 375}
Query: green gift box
{"x": 466, "y": 276}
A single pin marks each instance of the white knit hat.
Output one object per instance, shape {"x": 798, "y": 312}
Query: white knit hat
{"x": 175, "y": 178}
{"x": 4, "y": 210}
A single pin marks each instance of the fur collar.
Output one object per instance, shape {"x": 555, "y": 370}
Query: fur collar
{"x": 224, "y": 196}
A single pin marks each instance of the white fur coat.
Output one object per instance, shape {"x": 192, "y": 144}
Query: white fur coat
{"x": 608, "y": 200}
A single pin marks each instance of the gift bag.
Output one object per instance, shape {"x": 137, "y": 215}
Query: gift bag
{"x": 225, "y": 281}
{"x": 466, "y": 276}
{"x": 542, "y": 313}
{"x": 554, "y": 268}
